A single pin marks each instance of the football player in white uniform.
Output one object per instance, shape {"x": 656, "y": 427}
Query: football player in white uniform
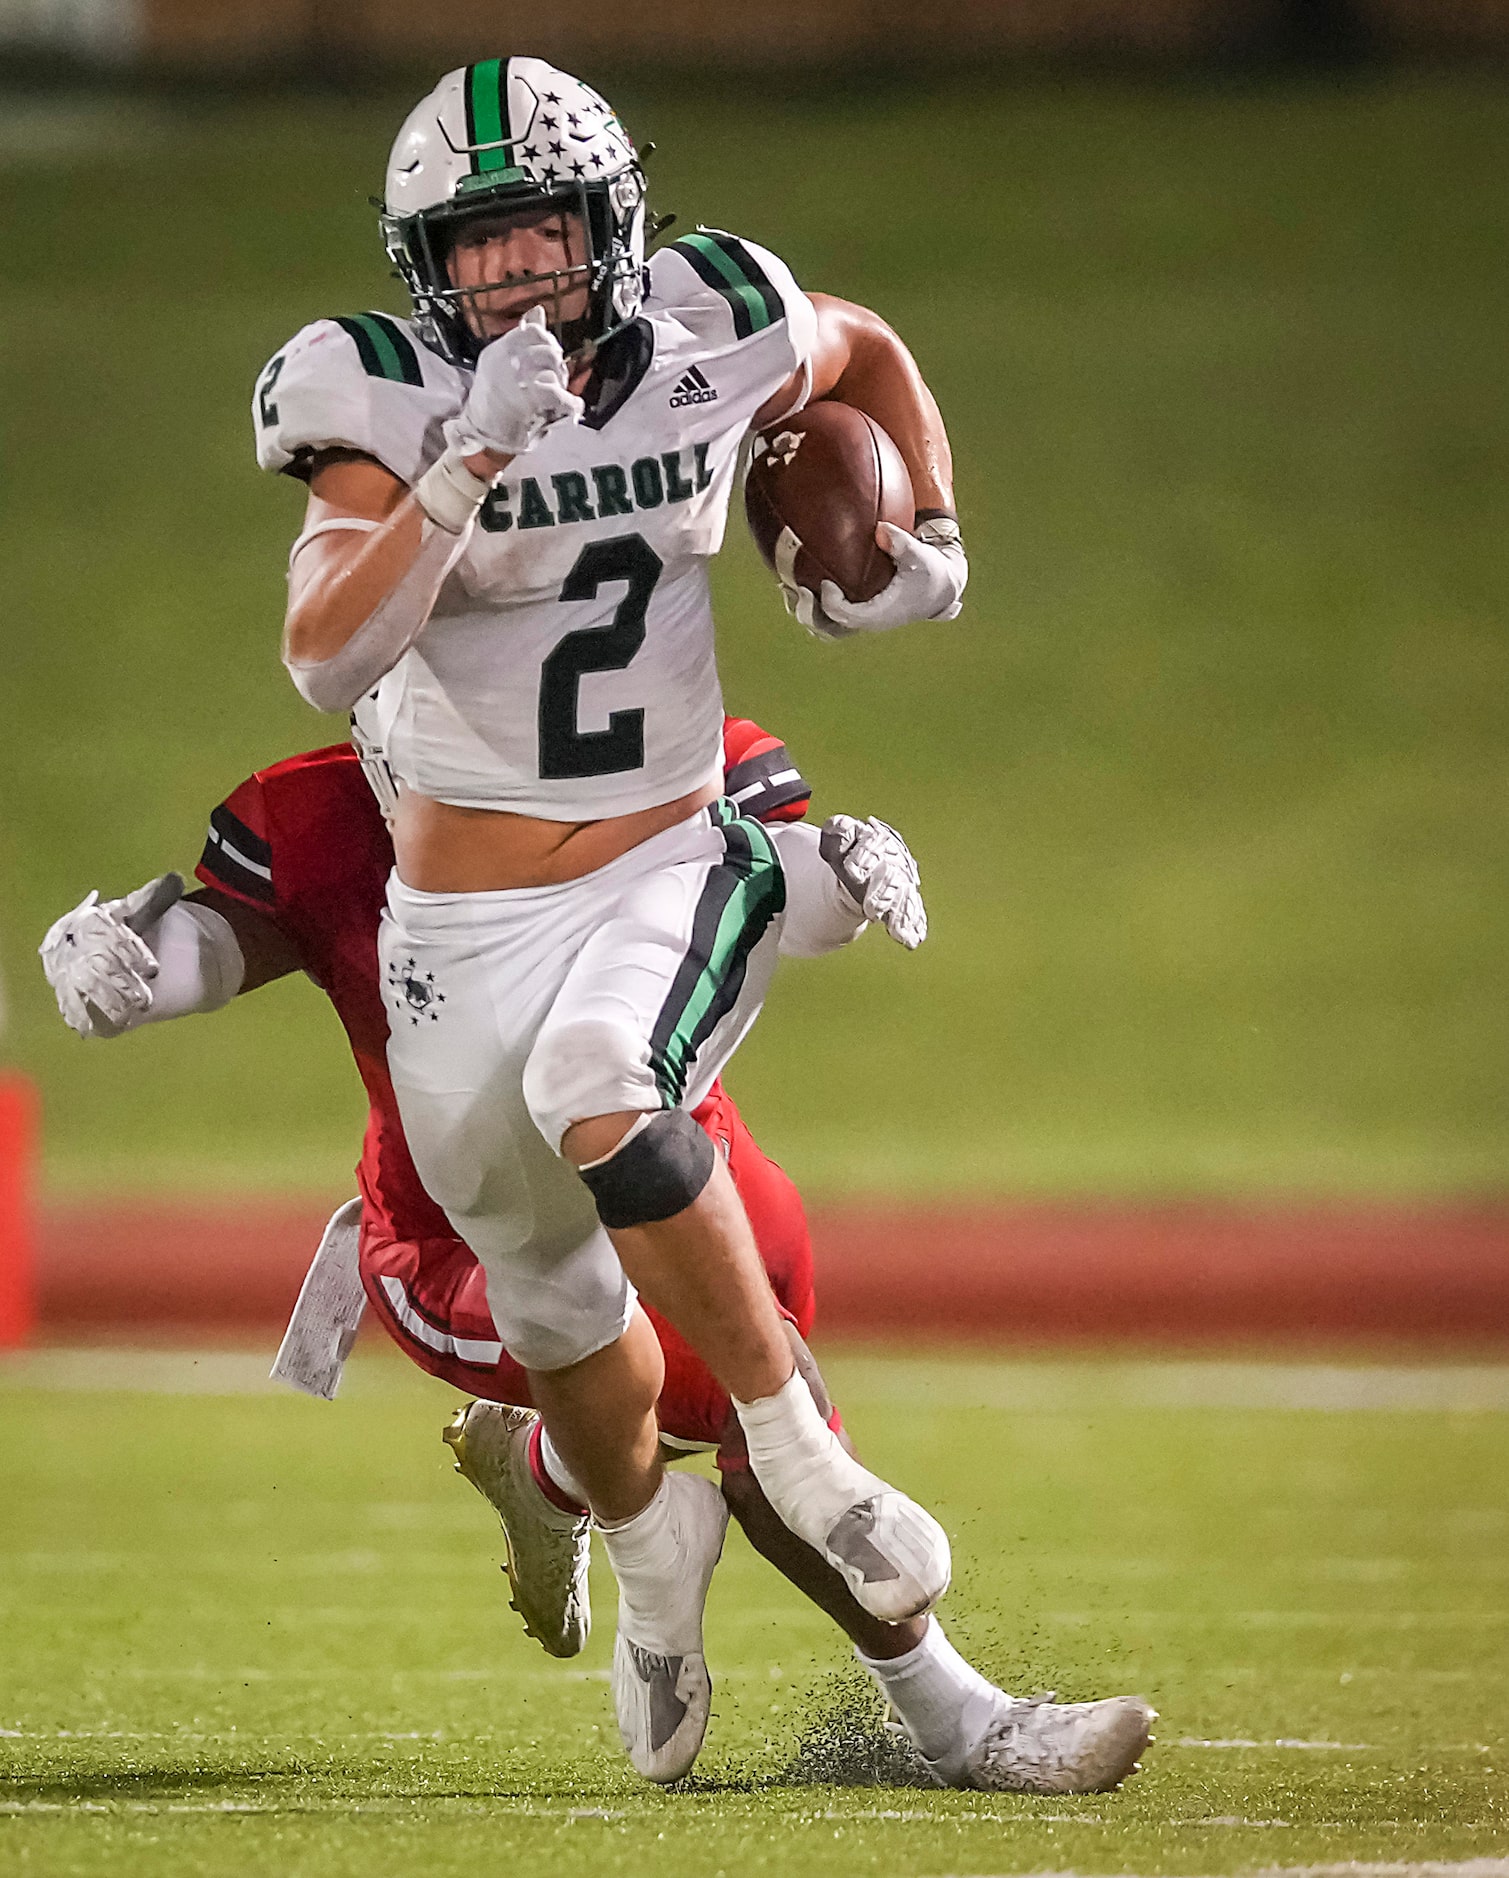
{"x": 513, "y": 500}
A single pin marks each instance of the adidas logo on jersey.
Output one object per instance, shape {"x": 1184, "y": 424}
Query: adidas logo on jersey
{"x": 693, "y": 389}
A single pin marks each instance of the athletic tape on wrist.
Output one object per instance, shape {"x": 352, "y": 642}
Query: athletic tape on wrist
{"x": 939, "y": 531}
{"x": 656, "y": 1171}
{"x": 449, "y": 493}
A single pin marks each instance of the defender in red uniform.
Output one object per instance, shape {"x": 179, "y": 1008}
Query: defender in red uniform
{"x": 303, "y": 847}
{"x": 294, "y": 873}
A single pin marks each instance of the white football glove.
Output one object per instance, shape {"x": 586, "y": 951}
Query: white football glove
{"x": 518, "y": 394}
{"x": 99, "y": 967}
{"x": 931, "y": 573}
{"x": 878, "y": 872}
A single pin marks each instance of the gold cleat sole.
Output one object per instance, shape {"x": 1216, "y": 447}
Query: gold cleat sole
{"x": 454, "y": 1436}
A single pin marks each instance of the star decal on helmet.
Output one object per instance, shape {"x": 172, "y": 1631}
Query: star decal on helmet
{"x": 571, "y": 139}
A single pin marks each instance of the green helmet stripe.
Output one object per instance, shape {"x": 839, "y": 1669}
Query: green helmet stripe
{"x": 487, "y": 115}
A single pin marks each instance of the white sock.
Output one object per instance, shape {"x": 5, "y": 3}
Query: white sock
{"x": 645, "y": 1557}
{"x": 942, "y": 1702}
{"x": 663, "y": 1558}
{"x": 799, "y": 1461}
{"x": 558, "y": 1471}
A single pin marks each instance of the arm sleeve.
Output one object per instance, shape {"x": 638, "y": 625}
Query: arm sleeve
{"x": 356, "y": 383}
{"x": 238, "y": 855}
{"x": 820, "y": 915}
{"x": 759, "y": 777}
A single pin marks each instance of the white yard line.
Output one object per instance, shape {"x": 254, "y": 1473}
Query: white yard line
{"x": 1286, "y": 1620}
{"x": 141, "y": 1372}
{"x": 1349, "y": 1747}
{"x": 1028, "y": 1387}
{"x": 494, "y": 1805}
{"x": 1430, "y": 1868}
{"x": 1034, "y": 1387}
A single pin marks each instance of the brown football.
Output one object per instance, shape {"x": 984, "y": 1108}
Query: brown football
{"x": 818, "y": 484}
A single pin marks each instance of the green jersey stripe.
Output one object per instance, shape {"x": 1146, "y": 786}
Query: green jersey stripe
{"x": 735, "y": 251}
{"x": 357, "y": 330}
{"x": 384, "y": 348}
{"x": 743, "y": 893}
{"x": 725, "y": 265}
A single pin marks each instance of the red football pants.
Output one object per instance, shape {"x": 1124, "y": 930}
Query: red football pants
{"x": 430, "y": 1295}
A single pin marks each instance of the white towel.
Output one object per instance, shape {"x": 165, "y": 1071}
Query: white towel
{"x": 331, "y": 1301}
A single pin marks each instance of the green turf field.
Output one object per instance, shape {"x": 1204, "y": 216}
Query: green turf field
{"x": 1207, "y": 786}
{"x": 260, "y": 1634}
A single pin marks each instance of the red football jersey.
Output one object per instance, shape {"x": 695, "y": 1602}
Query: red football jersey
{"x": 304, "y": 844}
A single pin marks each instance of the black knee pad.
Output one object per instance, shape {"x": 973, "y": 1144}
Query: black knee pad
{"x": 660, "y": 1172}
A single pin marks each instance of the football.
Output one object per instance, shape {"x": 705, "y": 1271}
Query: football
{"x": 818, "y": 484}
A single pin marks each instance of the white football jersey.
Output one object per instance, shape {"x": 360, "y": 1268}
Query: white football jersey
{"x": 567, "y": 670}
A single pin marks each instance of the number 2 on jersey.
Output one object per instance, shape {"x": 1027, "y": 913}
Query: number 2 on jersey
{"x": 564, "y": 749}
{"x": 265, "y": 404}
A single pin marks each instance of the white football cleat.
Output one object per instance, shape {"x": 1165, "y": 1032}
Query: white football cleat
{"x": 662, "y": 1693}
{"x": 1042, "y": 1746}
{"x": 548, "y": 1549}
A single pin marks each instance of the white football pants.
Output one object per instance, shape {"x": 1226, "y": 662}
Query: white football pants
{"x": 514, "y": 1014}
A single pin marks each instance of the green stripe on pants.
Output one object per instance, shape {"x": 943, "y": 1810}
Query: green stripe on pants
{"x": 747, "y": 889}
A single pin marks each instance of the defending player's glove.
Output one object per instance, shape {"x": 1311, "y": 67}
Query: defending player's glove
{"x": 519, "y": 393}
{"x": 931, "y": 574}
{"x": 98, "y": 965}
{"x": 878, "y": 872}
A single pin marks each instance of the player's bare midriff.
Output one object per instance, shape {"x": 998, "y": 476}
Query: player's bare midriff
{"x": 442, "y": 848}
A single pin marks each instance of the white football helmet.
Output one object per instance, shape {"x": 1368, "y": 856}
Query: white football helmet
{"x": 508, "y": 135}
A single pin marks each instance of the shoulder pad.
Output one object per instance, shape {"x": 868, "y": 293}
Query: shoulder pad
{"x": 759, "y": 777}
{"x": 732, "y": 290}
{"x": 237, "y": 857}
{"x": 317, "y": 803}
{"x": 364, "y": 382}
{"x": 310, "y": 769}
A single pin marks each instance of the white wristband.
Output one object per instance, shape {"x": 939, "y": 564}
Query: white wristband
{"x": 449, "y": 493}
{"x": 820, "y": 915}
{"x": 199, "y": 963}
